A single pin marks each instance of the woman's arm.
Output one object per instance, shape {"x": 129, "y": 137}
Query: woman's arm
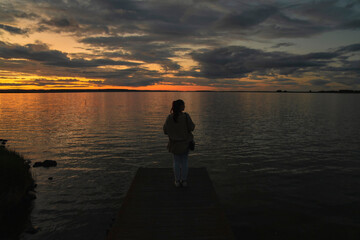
{"x": 165, "y": 126}
{"x": 191, "y": 125}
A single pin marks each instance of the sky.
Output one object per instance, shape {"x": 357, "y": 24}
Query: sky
{"x": 180, "y": 45}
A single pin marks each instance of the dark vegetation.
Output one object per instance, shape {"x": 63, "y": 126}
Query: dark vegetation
{"x": 16, "y": 193}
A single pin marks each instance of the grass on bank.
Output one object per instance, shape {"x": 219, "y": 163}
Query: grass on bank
{"x": 15, "y": 182}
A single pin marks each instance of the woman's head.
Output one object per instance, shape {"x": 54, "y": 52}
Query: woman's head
{"x": 177, "y": 107}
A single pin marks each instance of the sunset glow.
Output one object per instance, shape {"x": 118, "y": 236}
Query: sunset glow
{"x": 184, "y": 46}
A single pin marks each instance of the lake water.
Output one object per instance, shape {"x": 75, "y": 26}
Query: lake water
{"x": 285, "y": 166}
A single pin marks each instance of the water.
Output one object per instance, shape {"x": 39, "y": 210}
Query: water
{"x": 285, "y": 166}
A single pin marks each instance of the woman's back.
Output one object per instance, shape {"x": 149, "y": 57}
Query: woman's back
{"x": 177, "y": 130}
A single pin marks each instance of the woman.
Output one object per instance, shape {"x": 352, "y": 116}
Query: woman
{"x": 178, "y": 127}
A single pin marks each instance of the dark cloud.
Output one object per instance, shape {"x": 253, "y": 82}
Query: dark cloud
{"x": 283, "y": 80}
{"x": 354, "y": 24}
{"x": 171, "y": 30}
{"x": 66, "y": 24}
{"x": 41, "y": 53}
{"x": 237, "y": 62}
{"x": 283, "y": 26}
{"x": 350, "y": 48}
{"x": 14, "y": 84}
{"x": 183, "y": 19}
{"x": 215, "y": 34}
{"x": 134, "y": 76}
{"x": 117, "y": 41}
{"x": 50, "y": 83}
{"x": 37, "y": 52}
{"x": 347, "y": 80}
{"x": 247, "y": 18}
{"x": 284, "y": 44}
{"x": 80, "y": 63}
{"x": 289, "y": 83}
{"x": 320, "y": 55}
{"x": 196, "y": 22}
{"x": 59, "y": 22}
{"x": 138, "y": 48}
{"x": 11, "y": 29}
{"x": 305, "y": 19}
{"x": 319, "y": 82}
{"x": 347, "y": 67}
{"x": 146, "y": 82}
{"x": 241, "y": 62}
{"x": 329, "y": 13}
{"x": 288, "y": 20}
{"x": 42, "y": 60}
{"x": 129, "y": 77}
{"x": 57, "y": 82}
{"x": 10, "y": 13}
{"x": 124, "y": 5}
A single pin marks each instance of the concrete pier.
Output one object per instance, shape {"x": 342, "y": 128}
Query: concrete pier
{"x": 155, "y": 209}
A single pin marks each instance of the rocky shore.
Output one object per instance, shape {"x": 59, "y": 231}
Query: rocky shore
{"x": 17, "y": 192}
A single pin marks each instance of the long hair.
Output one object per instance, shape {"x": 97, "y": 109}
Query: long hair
{"x": 177, "y": 107}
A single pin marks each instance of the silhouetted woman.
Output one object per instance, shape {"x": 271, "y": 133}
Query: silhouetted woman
{"x": 178, "y": 127}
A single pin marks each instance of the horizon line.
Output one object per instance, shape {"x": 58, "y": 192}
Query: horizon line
{"x": 131, "y": 90}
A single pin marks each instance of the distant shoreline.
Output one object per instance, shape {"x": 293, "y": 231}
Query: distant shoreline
{"x": 128, "y": 90}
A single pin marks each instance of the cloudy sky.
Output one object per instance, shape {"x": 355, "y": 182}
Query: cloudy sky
{"x": 180, "y": 45}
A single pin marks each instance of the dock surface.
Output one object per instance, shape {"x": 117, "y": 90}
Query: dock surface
{"x": 155, "y": 209}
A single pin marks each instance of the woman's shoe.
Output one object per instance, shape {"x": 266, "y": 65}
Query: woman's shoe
{"x": 177, "y": 184}
{"x": 184, "y": 183}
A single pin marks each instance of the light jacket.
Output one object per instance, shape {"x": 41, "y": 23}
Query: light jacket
{"x": 179, "y": 133}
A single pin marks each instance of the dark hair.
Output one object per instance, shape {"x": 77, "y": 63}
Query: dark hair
{"x": 177, "y": 107}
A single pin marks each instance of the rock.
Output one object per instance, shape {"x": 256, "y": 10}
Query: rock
{"x": 46, "y": 163}
{"x": 3, "y": 142}
{"x": 38, "y": 164}
{"x": 50, "y": 178}
{"x": 49, "y": 163}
